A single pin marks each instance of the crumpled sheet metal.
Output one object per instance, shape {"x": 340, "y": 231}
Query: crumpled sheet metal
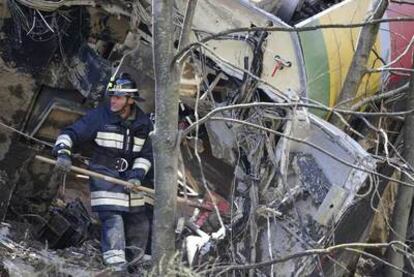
{"x": 309, "y": 219}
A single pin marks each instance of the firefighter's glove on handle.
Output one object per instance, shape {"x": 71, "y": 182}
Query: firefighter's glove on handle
{"x": 135, "y": 182}
{"x": 64, "y": 161}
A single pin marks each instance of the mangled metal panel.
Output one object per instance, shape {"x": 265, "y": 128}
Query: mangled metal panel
{"x": 325, "y": 169}
{"x": 213, "y": 16}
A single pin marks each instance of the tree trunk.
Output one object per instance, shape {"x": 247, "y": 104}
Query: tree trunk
{"x": 366, "y": 41}
{"x": 165, "y": 134}
{"x": 405, "y": 194}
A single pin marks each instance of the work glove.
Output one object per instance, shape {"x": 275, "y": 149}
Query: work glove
{"x": 135, "y": 182}
{"x": 63, "y": 163}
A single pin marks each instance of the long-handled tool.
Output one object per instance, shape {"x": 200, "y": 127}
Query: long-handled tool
{"x": 126, "y": 184}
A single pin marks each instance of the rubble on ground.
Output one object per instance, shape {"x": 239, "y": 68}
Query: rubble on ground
{"x": 21, "y": 255}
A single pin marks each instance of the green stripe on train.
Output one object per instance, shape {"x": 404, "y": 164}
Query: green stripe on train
{"x": 316, "y": 66}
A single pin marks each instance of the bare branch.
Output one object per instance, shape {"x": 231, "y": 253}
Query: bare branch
{"x": 380, "y": 96}
{"x": 402, "y": 2}
{"x": 375, "y": 70}
{"x": 400, "y": 56}
{"x": 404, "y": 198}
{"x": 364, "y": 253}
{"x": 311, "y": 252}
{"x": 287, "y": 105}
{"x": 188, "y": 20}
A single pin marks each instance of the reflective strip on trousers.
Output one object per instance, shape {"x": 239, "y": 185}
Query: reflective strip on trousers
{"x": 114, "y": 257}
{"x": 137, "y": 199}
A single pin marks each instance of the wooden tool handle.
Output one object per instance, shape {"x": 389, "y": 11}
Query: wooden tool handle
{"x": 120, "y": 182}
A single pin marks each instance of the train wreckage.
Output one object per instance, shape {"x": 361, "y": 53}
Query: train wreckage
{"x": 297, "y": 182}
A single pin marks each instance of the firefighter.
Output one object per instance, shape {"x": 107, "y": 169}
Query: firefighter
{"x": 119, "y": 133}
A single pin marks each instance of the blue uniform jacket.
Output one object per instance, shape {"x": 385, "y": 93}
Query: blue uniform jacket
{"x": 112, "y": 138}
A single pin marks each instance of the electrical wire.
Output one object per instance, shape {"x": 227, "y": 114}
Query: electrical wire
{"x": 14, "y": 130}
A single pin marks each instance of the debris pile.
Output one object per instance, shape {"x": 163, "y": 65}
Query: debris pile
{"x": 21, "y": 255}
